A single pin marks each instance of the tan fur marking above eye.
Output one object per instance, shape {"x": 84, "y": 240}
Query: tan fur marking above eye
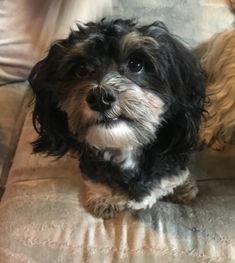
{"x": 79, "y": 49}
{"x": 134, "y": 38}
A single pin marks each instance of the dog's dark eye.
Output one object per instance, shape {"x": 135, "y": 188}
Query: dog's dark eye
{"x": 135, "y": 65}
{"x": 81, "y": 70}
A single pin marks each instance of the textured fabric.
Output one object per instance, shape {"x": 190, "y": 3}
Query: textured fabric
{"x": 193, "y": 20}
{"x": 13, "y": 100}
{"x": 17, "y": 53}
{"x": 28, "y": 27}
{"x": 42, "y": 219}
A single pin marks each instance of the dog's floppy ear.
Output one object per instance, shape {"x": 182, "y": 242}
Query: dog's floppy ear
{"x": 49, "y": 121}
{"x": 186, "y": 82}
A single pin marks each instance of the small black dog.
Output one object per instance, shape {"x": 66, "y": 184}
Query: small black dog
{"x": 128, "y": 99}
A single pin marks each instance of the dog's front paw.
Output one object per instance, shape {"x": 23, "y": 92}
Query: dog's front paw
{"x": 100, "y": 201}
{"x": 186, "y": 192}
{"x": 104, "y": 207}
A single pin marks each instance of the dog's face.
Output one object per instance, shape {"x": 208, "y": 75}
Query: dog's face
{"x": 116, "y": 98}
{"x": 114, "y": 85}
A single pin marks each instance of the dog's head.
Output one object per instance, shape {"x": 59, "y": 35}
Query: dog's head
{"x": 115, "y": 84}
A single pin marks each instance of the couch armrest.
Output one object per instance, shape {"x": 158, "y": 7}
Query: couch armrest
{"x": 14, "y": 99}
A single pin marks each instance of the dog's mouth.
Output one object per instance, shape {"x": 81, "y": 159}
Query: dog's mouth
{"x": 109, "y": 121}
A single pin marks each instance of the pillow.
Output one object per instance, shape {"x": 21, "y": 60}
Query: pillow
{"x": 28, "y": 27}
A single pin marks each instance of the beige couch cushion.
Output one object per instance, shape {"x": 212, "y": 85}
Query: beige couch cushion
{"x": 13, "y": 101}
{"x": 42, "y": 219}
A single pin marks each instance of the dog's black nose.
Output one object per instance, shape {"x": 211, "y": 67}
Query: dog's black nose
{"x": 100, "y": 99}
